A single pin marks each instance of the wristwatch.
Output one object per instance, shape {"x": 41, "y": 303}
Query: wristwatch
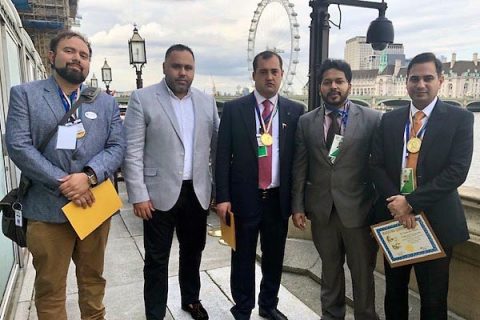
{"x": 92, "y": 177}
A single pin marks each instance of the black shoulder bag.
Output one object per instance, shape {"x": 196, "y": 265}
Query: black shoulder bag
{"x": 14, "y": 225}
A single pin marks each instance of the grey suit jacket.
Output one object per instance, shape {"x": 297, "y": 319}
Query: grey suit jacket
{"x": 35, "y": 109}
{"x": 153, "y": 166}
{"x": 318, "y": 184}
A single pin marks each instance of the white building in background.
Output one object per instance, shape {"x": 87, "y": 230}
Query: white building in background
{"x": 462, "y": 80}
{"x": 360, "y": 55}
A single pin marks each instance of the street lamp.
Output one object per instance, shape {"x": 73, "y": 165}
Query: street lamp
{"x": 138, "y": 56}
{"x": 379, "y": 35}
{"x": 107, "y": 75}
{"x": 94, "y": 81}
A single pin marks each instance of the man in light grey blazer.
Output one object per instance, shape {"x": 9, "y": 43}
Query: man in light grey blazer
{"x": 171, "y": 139}
{"x": 332, "y": 187}
{"x": 63, "y": 173}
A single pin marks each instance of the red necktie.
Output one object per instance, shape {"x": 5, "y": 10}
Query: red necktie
{"x": 265, "y": 163}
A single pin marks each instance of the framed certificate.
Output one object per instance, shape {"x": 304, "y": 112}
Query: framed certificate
{"x": 402, "y": 246}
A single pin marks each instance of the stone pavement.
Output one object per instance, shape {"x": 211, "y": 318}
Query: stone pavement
{"x": 299, "y": 294}
{"x": 124, "y": 274}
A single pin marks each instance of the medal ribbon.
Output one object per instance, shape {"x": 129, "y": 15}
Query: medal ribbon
{"x": 269, "y": 118}
{"x": 420, "y": 132}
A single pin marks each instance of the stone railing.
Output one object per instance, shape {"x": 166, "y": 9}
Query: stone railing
{"x": 464, "y": 287}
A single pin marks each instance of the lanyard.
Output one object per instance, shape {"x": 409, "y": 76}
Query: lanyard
{"x": 67, "y": 101}
{"x": 343, "y": 114}
{"x": 269, "y": 118}
{"x": 418, "y": 134}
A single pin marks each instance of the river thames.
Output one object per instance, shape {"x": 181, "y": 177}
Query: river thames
{"x": 473, "y": 179}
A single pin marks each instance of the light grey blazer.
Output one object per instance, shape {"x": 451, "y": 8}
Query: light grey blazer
{"x": 317, "y": 183}
{"x": 153, "y": 166}
{"x": 35, "y": 109}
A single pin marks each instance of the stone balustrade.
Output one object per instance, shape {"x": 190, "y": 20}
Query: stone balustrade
{"x": 464, "y": 291}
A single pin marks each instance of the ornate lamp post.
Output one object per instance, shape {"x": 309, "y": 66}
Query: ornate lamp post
{"x": 94, "y": 81}
{"x": 379, "y": 34}
{"x": 107, "y": 75}
{"x": 138, "y": 56}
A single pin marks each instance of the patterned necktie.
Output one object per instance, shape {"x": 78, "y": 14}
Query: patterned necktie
{"x": 333, "y": 129}
{"x": 417, "y": 125}
{"x": 265, "y": 163}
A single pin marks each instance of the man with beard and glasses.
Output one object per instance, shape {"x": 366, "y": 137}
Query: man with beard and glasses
{"x": 332, "y": 187}
{"x": 61, "y": 173}
{"x": 171, "y": 139}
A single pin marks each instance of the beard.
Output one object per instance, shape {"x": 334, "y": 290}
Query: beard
{"x": 70, "y": 75}
{"x": 335, "y": 100}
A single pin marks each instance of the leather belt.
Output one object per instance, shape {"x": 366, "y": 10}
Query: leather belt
{"x": 268, "y": 193}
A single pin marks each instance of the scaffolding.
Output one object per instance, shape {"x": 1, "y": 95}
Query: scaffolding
{"x": 43, "y": 19}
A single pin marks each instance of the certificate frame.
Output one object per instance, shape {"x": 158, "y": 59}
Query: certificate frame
{"x": 402, "y": 246}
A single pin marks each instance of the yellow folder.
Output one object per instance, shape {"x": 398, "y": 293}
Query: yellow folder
{"x": 228, "y": 230}
{"x": 85, "y": 221}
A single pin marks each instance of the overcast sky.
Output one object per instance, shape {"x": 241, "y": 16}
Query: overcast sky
{"x": 218, "y": 30}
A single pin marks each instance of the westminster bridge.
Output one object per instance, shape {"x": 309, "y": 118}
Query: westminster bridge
{"x": 383, "y": 103}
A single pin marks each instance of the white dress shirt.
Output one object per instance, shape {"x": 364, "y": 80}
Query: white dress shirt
{"x": 185, "y": 115}
{"x": 275, "y": 135}
{"x": 427, "y": 111}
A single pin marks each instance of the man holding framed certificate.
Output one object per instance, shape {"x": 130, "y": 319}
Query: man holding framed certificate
{"x": 421, "y": 154}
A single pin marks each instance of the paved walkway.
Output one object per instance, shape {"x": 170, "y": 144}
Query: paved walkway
{"x": 124, "y": 274}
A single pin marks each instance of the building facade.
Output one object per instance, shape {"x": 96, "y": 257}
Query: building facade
{"x": 43, "y": 19}
{"x": 360, "y": 55}
{"x": 19, "y": 63}
{"x": 462, "y": 80}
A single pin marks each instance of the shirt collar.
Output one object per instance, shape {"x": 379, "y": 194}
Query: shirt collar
{"x": 172, "y": 95}
{"x": 344, "y": 108}
{"x": 261, "y": 98}
{"x": 427, "y": 110}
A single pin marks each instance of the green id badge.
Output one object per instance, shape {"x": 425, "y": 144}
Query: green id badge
{"x": 407, "y": 181}
{"x": 335, "y": 148}
{"x": 262, "y": 151}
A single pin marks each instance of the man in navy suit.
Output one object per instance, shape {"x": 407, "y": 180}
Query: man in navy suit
{"x": 440, "y": 163}
{"x": 253, "y": 177}
{"x": 59, "y": 175}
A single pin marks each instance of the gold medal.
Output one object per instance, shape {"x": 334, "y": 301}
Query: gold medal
{"x": 266, "y": 139}
{"x": 81, "y": 134}
{"x": 414, "y": 144}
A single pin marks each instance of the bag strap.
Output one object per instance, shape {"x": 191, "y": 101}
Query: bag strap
{"x": 88, "y": 95}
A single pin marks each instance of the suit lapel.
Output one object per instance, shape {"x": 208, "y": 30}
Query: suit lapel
{"x": 284, "y": 120}
{"x": 51, "y": 96}
{"x": 398, "y": 133}
{"x": 434, "y": 127}
{"x": 318, "y": 131}
{"x": 165, "y": 103}
{"x": 247, "y": 112}
{"x": 198, "y": 119}
{"x": 87, "y": 123}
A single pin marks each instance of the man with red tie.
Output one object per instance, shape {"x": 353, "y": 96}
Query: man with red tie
{"x": 421, "y": 154}
{"x": 253, "y": 174}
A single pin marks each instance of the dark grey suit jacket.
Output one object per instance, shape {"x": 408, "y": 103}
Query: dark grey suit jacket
{"x": 318, "y": 184}
{"x": 443, "y": 165}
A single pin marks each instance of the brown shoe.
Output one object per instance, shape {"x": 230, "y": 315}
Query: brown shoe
{"x": 196, "y": 310}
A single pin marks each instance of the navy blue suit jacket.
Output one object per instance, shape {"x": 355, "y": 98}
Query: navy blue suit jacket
{"x": 236, "y": 168}
{"x": 443, "y": 165}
